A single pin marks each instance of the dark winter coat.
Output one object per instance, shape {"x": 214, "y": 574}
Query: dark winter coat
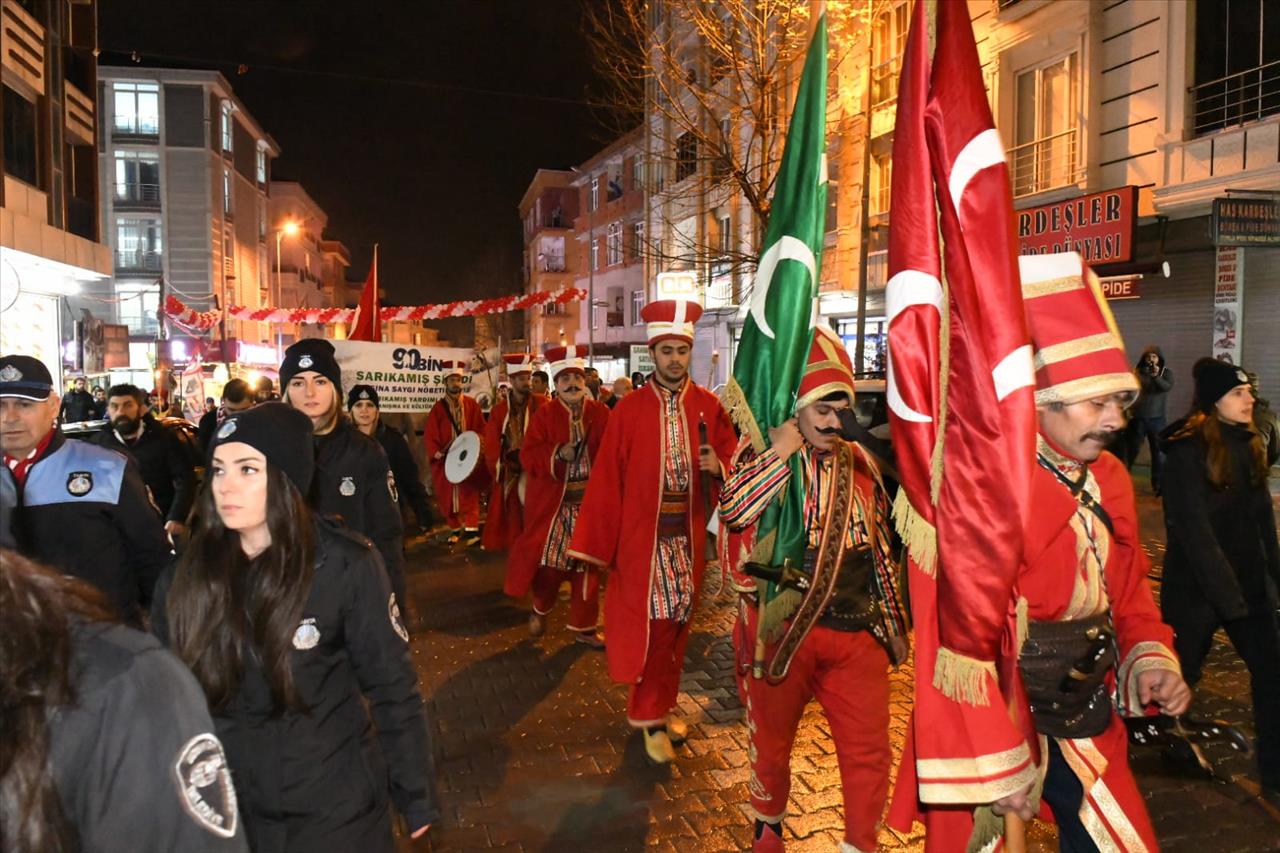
{"x": 1153, "y": 398}
{"x": 1222, "y": 546}
{"x": 165, "y": 465}
{"x": 319, "y": 780}
{"x": 353, "y": 480}
{"x": 77, "y": 406}
{"x": 84, "y": 511}
{"x": 408, "y": 478}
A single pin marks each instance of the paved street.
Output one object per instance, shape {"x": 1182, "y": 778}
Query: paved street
{"x": 534, "y": 753}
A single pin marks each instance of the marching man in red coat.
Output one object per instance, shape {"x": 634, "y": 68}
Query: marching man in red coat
{"x": 504, "y": 434}
{"x": 560, "y": 446}
{"x": 451, "y": 416}
{"x": 645, "y": 517}
{"x": 832, "y": 635}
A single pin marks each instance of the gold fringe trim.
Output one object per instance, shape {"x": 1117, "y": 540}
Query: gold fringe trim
{"x": 734, "y": 400}
{"x": 944, "y": 381}
{"x": 961, "y": 678}
{"x": 777, "y": 612}
{"x": 988, "y": 827}
{"x": 919, "y": 535}
{"x": 1021, "y": 625}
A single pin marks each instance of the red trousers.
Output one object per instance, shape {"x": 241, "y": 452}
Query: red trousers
{"x": 584, "y": 598}
{"x": 847, "y": 672}
{"x": 654, "y": 695}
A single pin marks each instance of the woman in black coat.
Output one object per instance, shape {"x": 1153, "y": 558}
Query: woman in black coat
{"x": 290, "y": 626}
{"x": 1222, "y": 568}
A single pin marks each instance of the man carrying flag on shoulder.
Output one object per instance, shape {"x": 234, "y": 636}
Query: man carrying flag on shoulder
{"x": 644, "y": 517}
{"x": 560, "y": 446}
{"x": 503, "y": 437}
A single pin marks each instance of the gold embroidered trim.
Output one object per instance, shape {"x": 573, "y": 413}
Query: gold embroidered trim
{"x": 1087, "y": 388}
{"x": 1143, "y": 657}
{"x": 962, "y": 678}
{"x": 813, "y": 395}
{"x": 988, "y": 790}
{"x": 1050, "y": 286}
{"x": 1055, "y": 353}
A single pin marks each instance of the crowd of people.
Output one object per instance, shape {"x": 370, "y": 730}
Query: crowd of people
{"x": 265, "y": 599}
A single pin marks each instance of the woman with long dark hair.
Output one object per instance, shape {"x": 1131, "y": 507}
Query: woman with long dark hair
{"x": 289, "y": 624}
{"x": 1222, "y": 568}
{"x": 105, "y": 740}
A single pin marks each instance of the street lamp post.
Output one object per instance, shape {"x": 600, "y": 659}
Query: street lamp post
{"x": 591, "y": 269}
{"x": 291, "y": 228}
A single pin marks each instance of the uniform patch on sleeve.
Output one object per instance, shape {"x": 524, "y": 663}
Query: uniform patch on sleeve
{"x": 391, "y": 487}
{"x": 204, "y": 785}
{"x": 397, "y": 624}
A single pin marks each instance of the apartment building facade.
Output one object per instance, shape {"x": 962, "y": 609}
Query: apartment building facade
{"x": 550, "y": 261}
{"x": 185, "y": 172}
{"x": 52, "y": 260}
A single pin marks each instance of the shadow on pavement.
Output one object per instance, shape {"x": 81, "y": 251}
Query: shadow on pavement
{"x": 475, "y": 615}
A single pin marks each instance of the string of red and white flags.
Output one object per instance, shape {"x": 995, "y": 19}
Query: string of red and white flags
{"x": 202, "y": 321}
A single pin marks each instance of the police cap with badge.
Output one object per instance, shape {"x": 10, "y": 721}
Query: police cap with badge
{"x": 24, "y": 377}
{"x": 280, "y": 433}
{"x": 363, "y": 392}
{"x": 310, "y": 354}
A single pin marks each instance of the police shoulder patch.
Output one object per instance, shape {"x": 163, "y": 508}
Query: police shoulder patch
{"x": 204, "y": 785}
{"x": 307, "y": 636}
{"x": 391, "y": 487}
{"x": 347, "y": 487}
{"x": 397, "y": 624}
{"x": 80, "y": 483}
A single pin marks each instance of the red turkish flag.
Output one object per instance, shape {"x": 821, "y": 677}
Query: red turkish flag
{"x": 968, "y": 487}
{"x": 365, "y": 326}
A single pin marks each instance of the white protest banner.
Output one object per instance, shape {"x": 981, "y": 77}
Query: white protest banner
{"x": 1227, "y": 287}
{"x": 410, "y": 378}
{"x": 641, "y": 359}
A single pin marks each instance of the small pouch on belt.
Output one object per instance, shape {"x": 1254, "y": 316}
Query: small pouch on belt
{"x": 1064, "y": 667}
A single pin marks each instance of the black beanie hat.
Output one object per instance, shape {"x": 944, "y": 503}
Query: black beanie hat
{"x": 278, "y": 432}
{"x": 363, "y": 392}
{"x": 1214, "y": 378}
{"x": 310, "y": 354}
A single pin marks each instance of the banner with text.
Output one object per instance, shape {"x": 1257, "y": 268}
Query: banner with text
{"x": 1227, "y": 282}
{"x": 411, "y": 378}
{"x": 641, "y": 359}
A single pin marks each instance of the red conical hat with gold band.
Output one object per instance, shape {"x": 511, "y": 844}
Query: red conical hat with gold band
{"x": 1079, "y": 354}
{"x": 561, "y": 359}
{"x": 518, "y": 362}
{"x": 670, "y": 319}
{"x": 828, "y": 369}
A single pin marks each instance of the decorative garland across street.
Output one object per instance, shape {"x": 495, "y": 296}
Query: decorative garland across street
{"x": 202, "y": 321}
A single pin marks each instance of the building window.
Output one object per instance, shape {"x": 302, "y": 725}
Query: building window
{"x": 137, "y": 177}
{"x": 724, "y": 234}
{"x": 881, "y": 183}
{"x": 637, "y": 239}
{"x": 723, "y": 162}
{"x": 888, "y": 41}
{"x": 228, "y": 250}
{"x": 225, "y": 125}
{"x": 138, "y": 306}
{"x": 1237, "y": 64}
{"x": 262, "y": 166}
{"x": 686, "y": 156}
{"x": 1046, "y": 113}
{"x": 613, "y": 247}
{"x": 138, "y": 244}
{"x": 595, "y": 253}
{"x": 637, "y": 173}
{"x": 137, "y": 108}
{"x": 262, "y": 219}
{"x": 228, "y": 192}
{"x": 21, "y": 157}
{"x": 593, "y": 203}
{"x": 637, "y": 305}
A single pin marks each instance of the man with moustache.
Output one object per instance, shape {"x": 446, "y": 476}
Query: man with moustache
{"x": 363, "y": 405}
{"x": 451, "y": 416}
{"x": 80, "y": 508}
{"x": 833, "y": 642}
{"x": 559, "y": 447}
{"x": 162, "y": 460}
{"x": 353, "y": 479}
{"x": 644, "y": 517}
{"x": 503, "y": 437}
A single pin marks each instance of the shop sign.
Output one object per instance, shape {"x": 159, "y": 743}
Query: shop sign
{"x": 247, "y": 353}
{"x": 1102, "y": 227}
{"x": 411, "y": 378}
{"x": 641, "y": 359}
{"x": 1121, "y": 288}
{"x": 679, "y": 285}
{"x": 1246, "y": 222}
{"x": 193, "y": 391}
{"x": 1227, "y": 284}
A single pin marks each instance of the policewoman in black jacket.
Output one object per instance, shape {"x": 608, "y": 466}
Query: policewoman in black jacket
{"x": 288, "y": 622}
{"x": 353, "y": 478}
{"x": 1222, "y": 567}
{"x": 364, "y": 406}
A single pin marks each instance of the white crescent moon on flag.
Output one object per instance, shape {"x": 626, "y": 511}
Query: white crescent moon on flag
{"x": 907, "y": 288}
{"x": 787, "y": 248}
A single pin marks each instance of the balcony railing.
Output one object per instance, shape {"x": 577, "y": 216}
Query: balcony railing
{"x": 1236, "y": 99}
{"x": 1045, "y": 164}
{"x": 884, "y": 81}
{"x": 134, "y": 193}
{"x": 139, "y": 259}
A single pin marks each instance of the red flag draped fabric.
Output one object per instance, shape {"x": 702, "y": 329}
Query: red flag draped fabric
{"x": 365, "y": 326}
{"x": 963, "y": 415}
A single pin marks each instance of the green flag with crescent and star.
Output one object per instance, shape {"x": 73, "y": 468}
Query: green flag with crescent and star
{"x": 779, "y": 327}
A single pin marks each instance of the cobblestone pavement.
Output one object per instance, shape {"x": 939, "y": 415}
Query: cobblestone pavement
{"x": 534, "y": 753}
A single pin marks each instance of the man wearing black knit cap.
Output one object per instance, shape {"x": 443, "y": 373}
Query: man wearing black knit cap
{"x": 353, "y": 478}
{"x": 363, "y": 405}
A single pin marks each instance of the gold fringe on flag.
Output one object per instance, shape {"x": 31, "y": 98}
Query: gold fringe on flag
{"x": 777, "y": 612}
{"x": 734, "y": 400}
{"x": 961, "y": 678}
{"x": 1021, "y": 628}
{"x": 919, "y": 535}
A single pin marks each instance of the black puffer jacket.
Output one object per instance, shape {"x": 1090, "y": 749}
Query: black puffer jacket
{"x": 164, "y": 463}
{"x": 1222, "y": 542}
{"x": 318, "y": 781}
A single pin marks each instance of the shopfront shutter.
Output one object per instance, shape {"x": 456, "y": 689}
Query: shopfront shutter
{"x": 1261, "y": 353}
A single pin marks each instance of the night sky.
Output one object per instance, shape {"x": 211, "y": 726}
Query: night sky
{"x": 375, "y": 108}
